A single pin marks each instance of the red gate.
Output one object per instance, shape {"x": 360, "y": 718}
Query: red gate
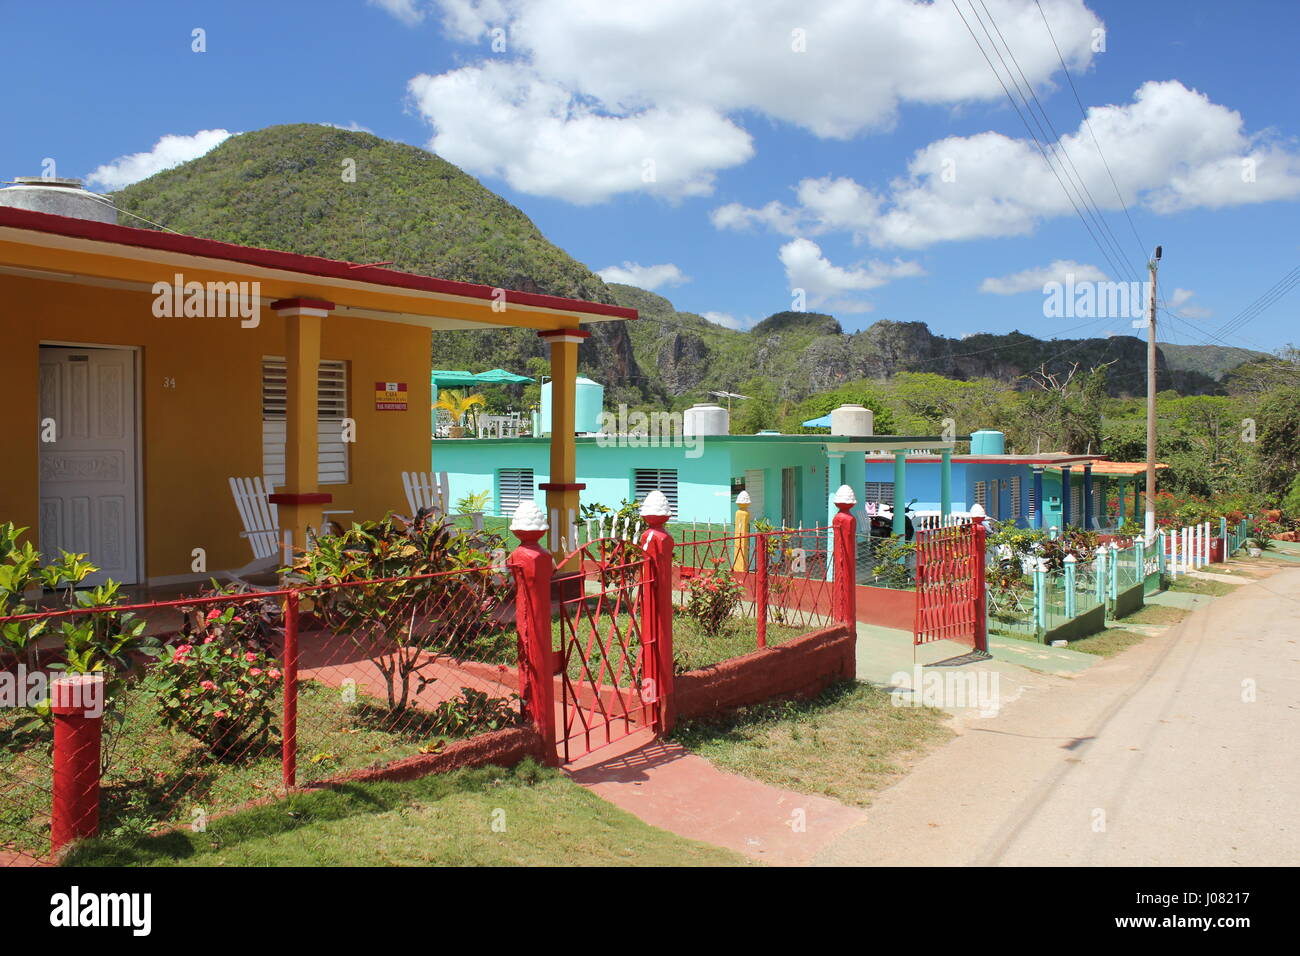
{"x": 950, "y": 585}
{"x": 604, "y": 647}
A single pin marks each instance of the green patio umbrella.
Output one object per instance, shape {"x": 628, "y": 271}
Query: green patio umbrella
{"x": 499, "y": 376}
{"x": 453, "y": 378}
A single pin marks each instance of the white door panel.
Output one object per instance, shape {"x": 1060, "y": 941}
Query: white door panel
{"x": 88, "y": 500}
{"x": 754, "y": 485}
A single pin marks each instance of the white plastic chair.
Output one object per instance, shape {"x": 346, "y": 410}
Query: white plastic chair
{"x": 426, "y": 490}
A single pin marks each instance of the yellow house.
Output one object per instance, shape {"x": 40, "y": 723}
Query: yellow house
{"x": 142, "y": 370}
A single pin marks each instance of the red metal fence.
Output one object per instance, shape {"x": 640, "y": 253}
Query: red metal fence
{"x": 251, "y": 693}
{"x": 245, "y": 695}
{"x": 950, "y": 585}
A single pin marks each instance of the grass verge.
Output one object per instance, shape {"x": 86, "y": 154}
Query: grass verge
{"x": 1161, "y": 615}
{"x": 848, "y": 744}
{"x": 1109, "y": 642}
{"x": 489, "y": 816}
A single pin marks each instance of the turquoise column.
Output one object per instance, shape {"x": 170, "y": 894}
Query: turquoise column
{"x": 945, "y": 482}
{"x": 855, "y": 476}
{"x": 834, "y": 461}
{"x": 900, "y": 492}
{"x": 1123, "y": 493}
{"x": 1038, "y": 497}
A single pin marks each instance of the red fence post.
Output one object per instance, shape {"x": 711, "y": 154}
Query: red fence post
{"x": 533, "y": 566}
{"x": 844, "y": 596}
{"x": 77, "y": 703}
{"x": 657, "y": 610}
{"x": 761, "y": 586}
{"x": 978, "y": 546}
{"x": 289, "y": 733}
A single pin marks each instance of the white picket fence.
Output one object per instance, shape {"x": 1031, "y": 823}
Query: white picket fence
{"x": 1185, "y": 549}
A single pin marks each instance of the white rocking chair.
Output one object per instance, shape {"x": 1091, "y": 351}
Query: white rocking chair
{"x": 272, "y": 547}
{"x": 426, "y": 490}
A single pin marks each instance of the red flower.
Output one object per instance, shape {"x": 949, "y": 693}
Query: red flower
{"x": 250, "y": 657}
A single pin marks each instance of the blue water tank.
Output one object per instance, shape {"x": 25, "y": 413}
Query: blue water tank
{"x": 588, "y": 404}
{"x": 987, "y": 441}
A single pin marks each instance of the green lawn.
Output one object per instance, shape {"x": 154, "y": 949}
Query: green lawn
{"x": 156, "y": 776}
{"x": 489, "y": 816}
{"x": 847, "y": 744}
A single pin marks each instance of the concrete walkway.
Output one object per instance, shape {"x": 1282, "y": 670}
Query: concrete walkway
{"x": 669, "y": 787}
{"x": 1179, "y": 751}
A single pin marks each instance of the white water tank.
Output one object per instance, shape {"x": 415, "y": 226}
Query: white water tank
{"x": 854, "y": 421}
{"x": 706, "y": 418}
{"x": 59, "y": 197}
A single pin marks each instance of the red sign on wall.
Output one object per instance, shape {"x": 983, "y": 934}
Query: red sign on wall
{"x": 390, "y": 396}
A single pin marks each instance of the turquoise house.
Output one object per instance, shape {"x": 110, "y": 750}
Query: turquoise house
{"x": 790, "y": 478}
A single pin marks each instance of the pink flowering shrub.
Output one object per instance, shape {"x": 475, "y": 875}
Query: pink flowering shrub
{"x": 713, "y": 596}
{"x": 218, "y": 690}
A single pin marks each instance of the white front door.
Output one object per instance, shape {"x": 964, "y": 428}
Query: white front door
{"x": 754, "y": 485}
{"x": 88, "y": 471}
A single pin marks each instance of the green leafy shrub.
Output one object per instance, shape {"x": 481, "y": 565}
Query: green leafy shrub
{"x": 892, "y": 555}
{"x": 384, "y": 588}
{"x": 472, "y": 711}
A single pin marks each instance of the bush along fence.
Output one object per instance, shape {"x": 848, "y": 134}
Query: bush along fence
{"x": 124, "y": 718}
{"x": 392, "y": 650}
{"x": 1066, "y": 586}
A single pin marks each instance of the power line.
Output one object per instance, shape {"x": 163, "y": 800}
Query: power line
{"x": 1055, "y": 141}
{"x": 1014, "y": 105}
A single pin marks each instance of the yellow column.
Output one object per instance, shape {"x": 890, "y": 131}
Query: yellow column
{"x": 563, "y": 488}
{"x": 300, "y": 500}
{"x": 740, "y": 561}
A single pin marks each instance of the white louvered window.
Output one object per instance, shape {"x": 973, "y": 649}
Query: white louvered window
{"x": 879, "y": 492}
{"x": 1076, "y": 506}
{"x": 1015, "y": 497}
{"x": 514, "y": 486}
{"x": 646, "y": 480}
{"x": 981, "y": 494}
{"x": 331, "y": 409}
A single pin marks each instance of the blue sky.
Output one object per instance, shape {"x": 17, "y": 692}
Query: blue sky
{"x": 864, "y": 153}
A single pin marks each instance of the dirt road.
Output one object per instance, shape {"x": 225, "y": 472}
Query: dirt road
{"x": 1182, "y": 750}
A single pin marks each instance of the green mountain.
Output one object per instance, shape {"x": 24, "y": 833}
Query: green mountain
{"x": 291, "y": 188}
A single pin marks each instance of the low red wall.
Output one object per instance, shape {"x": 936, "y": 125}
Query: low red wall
{"x": 887, "y": 607}
{"x": 803, "y": 667}
{"x": 504, "y": 748}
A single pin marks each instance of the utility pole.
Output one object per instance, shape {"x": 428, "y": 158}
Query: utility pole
{"x": 1150, "y": 523}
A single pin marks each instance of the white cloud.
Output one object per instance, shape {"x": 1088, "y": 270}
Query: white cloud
{"x": 409, "y": 12}
{"x": 171, "y": 150}
{"x": 584, "y": 90}
{"x": 644, "y": 277}
{"x": 727, "y": 320}
{"x": 1180, "y": 300}
{"x": 1170, "y": 149}
{"x": 353, "y": 127}
{"x": 503, "y": 120}
{"x": 1033, "y": 280}
{"x": 833, "y": 287}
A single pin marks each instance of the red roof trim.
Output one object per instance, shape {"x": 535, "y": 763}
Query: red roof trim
{"x": 289, "y": 261}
